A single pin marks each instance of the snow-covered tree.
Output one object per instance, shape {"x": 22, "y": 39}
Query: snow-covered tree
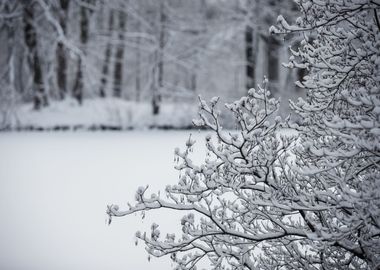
{"x": 339, "y": 147}
{"x": 263, "y": 200}
{"x": 229, "y": 196}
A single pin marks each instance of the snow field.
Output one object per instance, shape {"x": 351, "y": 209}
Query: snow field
{"x": 54, "y": 189}
{"x": 95, "y": 113}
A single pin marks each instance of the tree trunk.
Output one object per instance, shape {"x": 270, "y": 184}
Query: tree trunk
{"x": 107, "y": 58}
{"x": 160, "y": 65}
{"x": 138, "y": 66}
{"x": 78, "y": 83}
{"x": 273, "y": 63}
{"x": 193, "y": 81}
{"x": 251, "y": 37}
{"x": 161, "y": 45}
{"x": 119, "y": 56}
{"x": 61, "y": 52}
{"x": 84, "y": 29}
{"x": 39, "y": 92}
{"x": 10, "y": 30}
{"x": 250, "y": 59}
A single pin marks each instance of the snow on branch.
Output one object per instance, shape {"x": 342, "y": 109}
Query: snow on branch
{"x": 242, "y": 197}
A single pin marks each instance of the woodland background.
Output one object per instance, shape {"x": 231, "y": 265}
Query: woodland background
{"x": 136, "y": 63}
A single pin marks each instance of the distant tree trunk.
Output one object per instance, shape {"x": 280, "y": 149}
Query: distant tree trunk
{"x": 61, "y": 52}
{"x": 10, "y": 60}
{"x": 39, "y": 93}
{"x": 161, "y": 45}
{"x": 250, "y": 58}
{"x": 193, "y": 81}
{"x": 10, "y": 30}
{"x": 155, "y": 95}
{"x": 138, "y": 66}
{"x": 251, "y": 37}
{"x": 84, "y": 31}
{"x": 160, "y": 65}
{"x": 78, "y": 83}
{"x": 119, "y": 56}
{"x": 273, "y": 62}
{"x": 107, "y": 58}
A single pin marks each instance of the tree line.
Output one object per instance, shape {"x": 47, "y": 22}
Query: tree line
{"x": 139, "y": 50}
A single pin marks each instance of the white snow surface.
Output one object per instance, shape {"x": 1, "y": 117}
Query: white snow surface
{"x": 107, "y": 111}
{"x": 54, "y": 189}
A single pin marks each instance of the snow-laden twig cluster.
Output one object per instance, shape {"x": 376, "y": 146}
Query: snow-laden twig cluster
{"x": 338, "y": 153}
{"x": 241, "y": 200}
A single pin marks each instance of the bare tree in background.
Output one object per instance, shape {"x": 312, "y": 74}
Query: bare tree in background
{"x": 168, "y": 51}
{"x": 119, "y": 55}
{"x": 40, "y": 98}
{"x": 9, "y": 23}
{"x": 251, "y": 36}
{"x": 158, "y": 85}
{"x": 61, "y": 50}
{"x": 107, "y": 56}
{"x": 263, "y": 60}
{"x": 138, "y": 65}
{"x": 84, "y": 24}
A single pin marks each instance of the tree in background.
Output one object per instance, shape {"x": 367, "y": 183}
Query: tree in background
{"x": 252, "y": 204}
{"x": 107, "y": 57}
{"x": 84, "y": 32}
{"x": 251, "y": 44}
{"x": 165, "y": 52}
{"x": 40, "y": 97}
{"x": 119, "y": 55}
{"x": 177, "y": 39}
{"x": 9, "y": 26}
{"x": 62, "y": 11}
{"x": 160, "y": 54}
{"x": 262, "y": 51}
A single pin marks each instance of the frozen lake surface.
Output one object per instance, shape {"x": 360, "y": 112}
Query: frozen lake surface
{"x": 54, "y": 189}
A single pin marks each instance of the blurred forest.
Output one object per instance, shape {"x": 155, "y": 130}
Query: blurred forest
{"x": 139, "y": 57}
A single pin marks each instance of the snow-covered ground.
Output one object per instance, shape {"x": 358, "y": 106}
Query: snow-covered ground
{"x": 96, "y": 113}
{"x": 54, "y": 189}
